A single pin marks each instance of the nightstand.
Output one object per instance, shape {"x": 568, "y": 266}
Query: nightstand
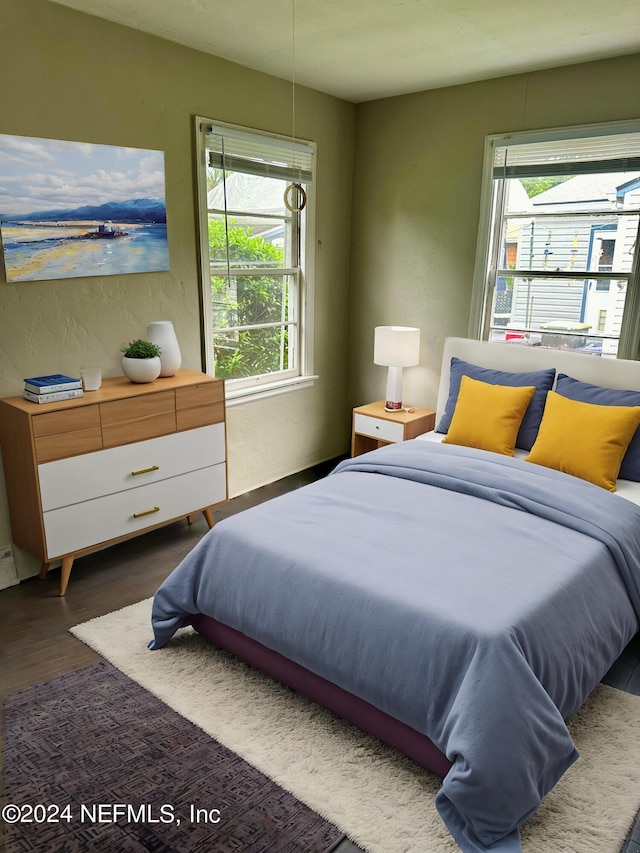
{"x": 373, "y": 426}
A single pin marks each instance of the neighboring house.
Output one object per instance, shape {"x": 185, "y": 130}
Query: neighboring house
{"x": 544, "y": 235}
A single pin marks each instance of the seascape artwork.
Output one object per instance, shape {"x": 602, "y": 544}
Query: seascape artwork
{"x": 71, "y": 209}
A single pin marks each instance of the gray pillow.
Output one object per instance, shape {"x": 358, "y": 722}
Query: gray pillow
{"x": 542, "y": 379}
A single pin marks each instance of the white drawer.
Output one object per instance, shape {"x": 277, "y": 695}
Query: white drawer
{"x": 378, "y": 428}
{"x": 83, "y": 525}
{"x": 104, "y": 472}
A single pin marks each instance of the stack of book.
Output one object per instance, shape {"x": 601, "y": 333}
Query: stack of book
{"x": 51, "y": 389}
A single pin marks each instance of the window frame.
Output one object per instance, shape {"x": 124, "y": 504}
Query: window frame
{"x": 245, "y": 389}
{"x": 489, "y": 230}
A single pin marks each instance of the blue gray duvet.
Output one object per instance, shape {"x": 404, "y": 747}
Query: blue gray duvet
{"x": 477, "y": 598}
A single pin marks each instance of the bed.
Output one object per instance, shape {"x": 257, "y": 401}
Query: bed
{"x": 458, "y": 602}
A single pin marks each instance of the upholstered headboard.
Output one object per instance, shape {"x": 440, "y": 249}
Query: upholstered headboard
{"x": 609, "y": 372}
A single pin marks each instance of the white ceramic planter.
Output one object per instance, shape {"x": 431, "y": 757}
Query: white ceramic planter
{"x": 161, "y": 332}
{"x": 141, "y": 369}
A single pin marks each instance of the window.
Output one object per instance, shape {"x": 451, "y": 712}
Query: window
{"x": 557, "y": 259}
{"x": 602, "y": 320}
{"x": 256, "y": 276}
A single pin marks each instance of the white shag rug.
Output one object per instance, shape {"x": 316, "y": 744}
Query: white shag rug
{"x": 380, "y": 799}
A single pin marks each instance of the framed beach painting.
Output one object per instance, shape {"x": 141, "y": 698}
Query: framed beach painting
{"x": 71, "y": 209}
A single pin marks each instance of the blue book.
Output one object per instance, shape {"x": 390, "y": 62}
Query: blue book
{"x": 52, "y": 383}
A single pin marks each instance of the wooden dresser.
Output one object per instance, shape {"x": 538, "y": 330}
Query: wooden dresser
{"x": 85, "y": 473}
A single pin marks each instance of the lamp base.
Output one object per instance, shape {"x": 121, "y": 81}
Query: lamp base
{"x": 393, "y": 403}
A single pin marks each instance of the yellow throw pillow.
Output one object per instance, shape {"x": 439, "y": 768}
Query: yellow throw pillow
{"x": 584, "y": 439}
{"x": 488, "y": 416}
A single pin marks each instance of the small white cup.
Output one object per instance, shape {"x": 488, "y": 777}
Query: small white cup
{"x": 91, "y": 378}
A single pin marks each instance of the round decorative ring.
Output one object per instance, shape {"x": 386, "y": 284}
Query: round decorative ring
{"x": 302, "y": 198}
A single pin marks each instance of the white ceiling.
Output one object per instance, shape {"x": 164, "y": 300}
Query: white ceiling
{"x": 360, "y": 50}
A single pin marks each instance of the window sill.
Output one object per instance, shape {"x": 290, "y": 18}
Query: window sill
{"x": 261, "y": 392}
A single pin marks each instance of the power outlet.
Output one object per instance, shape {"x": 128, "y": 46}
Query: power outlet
{"x": 8, "y": 573}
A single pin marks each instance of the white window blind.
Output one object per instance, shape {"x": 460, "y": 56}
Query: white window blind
{"x": 615, "y": 152}
{"x": 235, "y": 150}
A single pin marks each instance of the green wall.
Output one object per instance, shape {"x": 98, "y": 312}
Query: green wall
{"x": 417, "y": 181}
{"x": 66, "y": 75}
{"x": 400, "y": 251}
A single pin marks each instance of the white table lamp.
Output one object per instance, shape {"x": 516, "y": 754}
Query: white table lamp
{"x": 396, "y": 347}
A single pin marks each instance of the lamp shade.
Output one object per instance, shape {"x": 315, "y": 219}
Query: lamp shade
{"x": 396, "y": 346}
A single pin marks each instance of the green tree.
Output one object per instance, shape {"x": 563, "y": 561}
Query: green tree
{"x": 246, "y": 301}
{"x": 535, "y": 186}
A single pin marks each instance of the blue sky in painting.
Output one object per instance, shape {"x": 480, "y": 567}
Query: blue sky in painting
{"x": 51, "y": 174}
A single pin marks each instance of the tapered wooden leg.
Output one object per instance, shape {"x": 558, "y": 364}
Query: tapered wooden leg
{"x": 208, "y": 514}
{"x": 65, "y": 571}
{"x": 190, "y": 519}
{"x": 44, "y": 568}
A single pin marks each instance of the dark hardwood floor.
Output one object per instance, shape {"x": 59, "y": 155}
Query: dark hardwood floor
{"x": 35, "y": 643}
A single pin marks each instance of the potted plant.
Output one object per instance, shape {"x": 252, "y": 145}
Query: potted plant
{"x": 141, "y": 361}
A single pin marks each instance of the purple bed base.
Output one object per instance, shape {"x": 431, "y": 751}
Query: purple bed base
{"x": 398, "y": 735}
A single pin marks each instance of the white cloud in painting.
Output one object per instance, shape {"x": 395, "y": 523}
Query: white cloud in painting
{"x": 37, "y": 174}
{"x": 22, "y": 149}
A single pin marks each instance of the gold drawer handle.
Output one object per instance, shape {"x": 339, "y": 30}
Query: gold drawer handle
{"x": 146, "y": 512}
{"x": 145, "y": 470}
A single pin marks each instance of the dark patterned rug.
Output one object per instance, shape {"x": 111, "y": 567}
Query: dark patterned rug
{"x": 94, "y": 762}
